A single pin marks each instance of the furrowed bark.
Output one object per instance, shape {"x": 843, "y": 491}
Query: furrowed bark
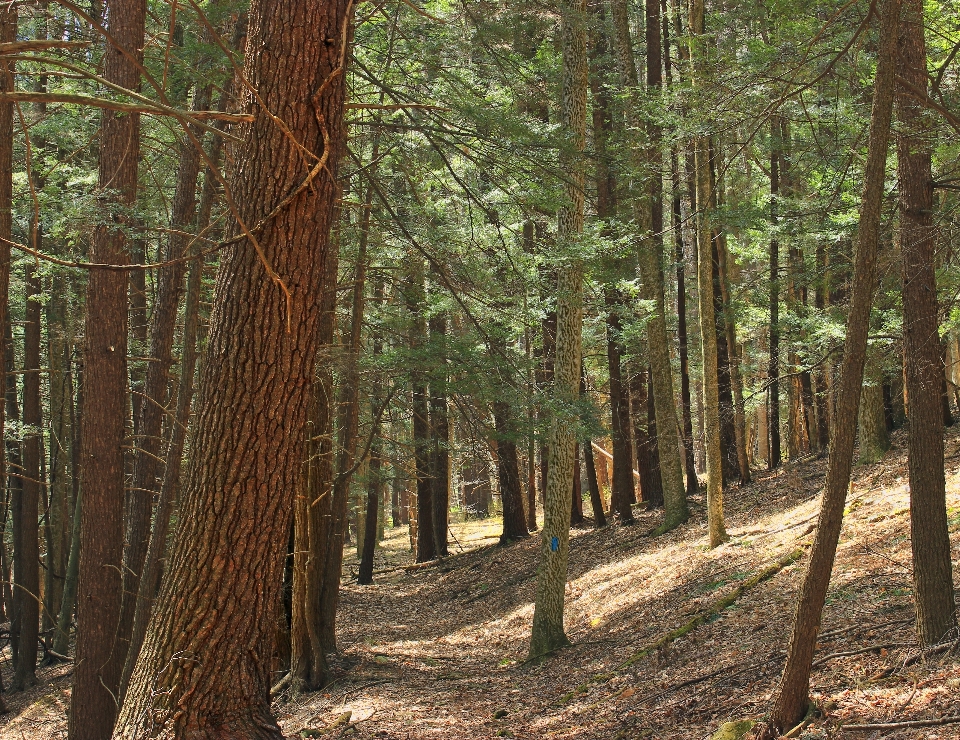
{"x": 204, "y": 670}
{"x": 99, "y": 659}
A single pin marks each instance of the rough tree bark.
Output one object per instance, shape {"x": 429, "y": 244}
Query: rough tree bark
{"x": 548, "y": 633}
{"x": 923, "y": 361}
{"x": 204, "y": 668}
{"x": 792, "y": 697}
{"x": 99, "y": 661}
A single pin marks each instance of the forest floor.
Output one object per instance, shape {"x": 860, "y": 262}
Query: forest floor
{"x": 439, "y": 651}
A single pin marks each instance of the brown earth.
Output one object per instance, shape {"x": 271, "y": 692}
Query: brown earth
{"x": 439, "y": 651}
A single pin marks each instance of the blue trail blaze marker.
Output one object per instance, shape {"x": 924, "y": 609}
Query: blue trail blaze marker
{"x": 555, "y": 544}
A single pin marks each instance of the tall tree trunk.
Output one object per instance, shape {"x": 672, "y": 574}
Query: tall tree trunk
{"x": 548, "y": 633}
{"x": 221, "y": 591}
{"x": 99, "y": 656}
{"x": 690, "y": 466}
{"x": 821, "y": 296}
{"x": 440, "y": 440}
{"x": 318, "y": 542}
{"x": 923, "y": 361}
{"x": 8, "y": 33}
{"x": 416, "y": 304}
{"x": 59, "y": 349}
{"x": 708, "y": 334}
{"x": 773, "y": 366}
{"x": 155, "y": 400}
{"x": 149, "y": 583}
{"x": 792, "y": 697}
{"x": 724, "y": 269}
{"x": 622, "y": 490}
{"x": 61, "y": 638}
{"x": 649, "y": 217}
{"x": 374, "y": 472}
{"x": 27, "y": 556}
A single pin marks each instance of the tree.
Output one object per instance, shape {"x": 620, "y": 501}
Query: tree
{"x": 708, "y": 334}
{"x": 8, "y": 33}
{"x": 207, "y": 651}
{"x": 548, "y": 633}
{"x": 923, "y": 361}
{"x": 647, "y": 203}
{"x": 99, "y": 658}
{"x": 792, "y": 699}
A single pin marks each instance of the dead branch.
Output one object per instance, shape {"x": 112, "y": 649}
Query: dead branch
{"x": 951, "y": 720}
{"x": 41, "y": 97}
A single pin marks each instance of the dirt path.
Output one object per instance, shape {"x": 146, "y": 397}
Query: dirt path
{"x": 440, "y": 652}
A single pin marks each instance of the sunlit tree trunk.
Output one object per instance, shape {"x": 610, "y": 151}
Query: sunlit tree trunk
{"x": 548, "y": 633}
{"x": 793, "y": 695}
{"x": 220, "y": 594}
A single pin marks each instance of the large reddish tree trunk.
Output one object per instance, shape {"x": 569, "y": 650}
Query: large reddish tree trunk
{"x": 204, "y": 668}
{"x": 93, "y": 706}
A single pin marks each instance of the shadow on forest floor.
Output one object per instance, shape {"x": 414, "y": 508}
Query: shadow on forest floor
{"x": 439, "y": 651}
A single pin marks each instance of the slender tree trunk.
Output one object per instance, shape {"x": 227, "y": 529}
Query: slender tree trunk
{"x": 622, "y": 490}
{"x": 596, "y": 500}
{"x": 59, "y": 348}
{"x": 221, "y": 591}
{"x": 317, "y": 542}
{"x": 154, "y": 559}
{"x": 576, "y": 507}
{"x": 923, "y": 361}
{"x": 548, "y": 633}
{"x": 374, "y": 473}
{"x": 27, "y": 555}
{"x": 649, "y": 217}
{"x": 8, "y": 33}
{"x": 440, "y": 441}
{"x": 792, "y": 697}
{"x": 416, "y": 304}
{"x": 61, "y": 639}
{"x": 155, "y": 400}
{"x": 99, "y": 659}
{"x": 773, "y": 366}
{"x": 508, "y": 474}
{"x": 724, "y": 269}
{"x": 708, "y": 334}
